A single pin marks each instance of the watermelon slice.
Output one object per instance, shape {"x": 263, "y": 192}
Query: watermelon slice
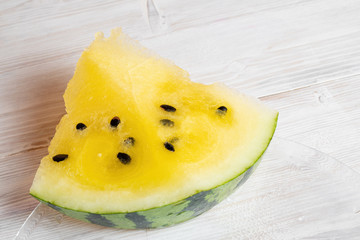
{"x": 141, "y": 146}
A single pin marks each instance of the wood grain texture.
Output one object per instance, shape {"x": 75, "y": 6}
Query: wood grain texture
{"x": 301, "y": 57}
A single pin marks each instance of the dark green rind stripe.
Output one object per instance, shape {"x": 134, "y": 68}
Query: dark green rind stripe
{"x": 100, "y": 220}
{"x": 169, "y": 214}
{"x": 139, "y": 220}
{"x": 162, "y": 216}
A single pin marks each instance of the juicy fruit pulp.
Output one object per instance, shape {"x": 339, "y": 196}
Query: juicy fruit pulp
{"x": 138, "y": 134}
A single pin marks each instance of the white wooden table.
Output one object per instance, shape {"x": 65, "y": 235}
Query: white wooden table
{"x": 300, "y": 57}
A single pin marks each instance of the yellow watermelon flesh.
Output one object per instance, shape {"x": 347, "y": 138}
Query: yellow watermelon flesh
{"x": 138, "y": 134}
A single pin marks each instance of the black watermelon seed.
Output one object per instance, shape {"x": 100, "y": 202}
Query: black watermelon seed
{"x": 124, "y": 158}
{"x": 167, "y": 122}
{"x": 60, "y": 157}
{"x": 80, "y": 126}
{"x": 169, "y": 146}
{"x": 129, "y": 141}
{"x": 115, "y": 121}
{"x": 221, "y": 110}
{"x": 168, "y": 108}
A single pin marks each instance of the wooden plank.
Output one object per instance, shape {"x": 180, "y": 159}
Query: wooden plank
{"x": 325, "y": 116}
{"x": 16, "y": 175}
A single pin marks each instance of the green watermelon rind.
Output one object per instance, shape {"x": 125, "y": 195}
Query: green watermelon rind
{"x": 170, "y": 214}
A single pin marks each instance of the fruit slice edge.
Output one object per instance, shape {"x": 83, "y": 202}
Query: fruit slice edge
{"x": 169, "y": 214}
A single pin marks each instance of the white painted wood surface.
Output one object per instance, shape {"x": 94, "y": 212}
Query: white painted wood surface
{"x": 301, "y": 57}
